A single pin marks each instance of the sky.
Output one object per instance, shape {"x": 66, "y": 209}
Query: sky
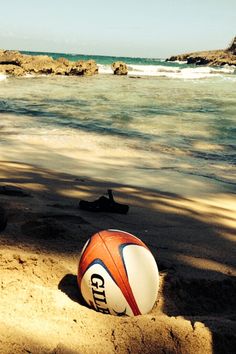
{"x": 137, "y": 28}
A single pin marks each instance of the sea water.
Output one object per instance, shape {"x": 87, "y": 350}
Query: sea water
{"x": 165, "y": 126}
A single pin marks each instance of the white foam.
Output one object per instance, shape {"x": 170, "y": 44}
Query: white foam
{"x": 152, "y": 70}
{"x": 172, "y": 71}
{"x": 3, "y": 77}
{"x": 105, "y": 69}
{"x": 180, "y": 61}
{"x": 168, "y": 71}
{"x": 204, "y": 72}
{"x": 226, "y": 69}
{"x": 197, "y": 73}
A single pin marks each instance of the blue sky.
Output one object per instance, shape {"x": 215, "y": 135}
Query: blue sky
{"x": 150, "y": 28}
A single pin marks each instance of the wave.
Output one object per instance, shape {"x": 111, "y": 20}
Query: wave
{"x": 172, "y": 71}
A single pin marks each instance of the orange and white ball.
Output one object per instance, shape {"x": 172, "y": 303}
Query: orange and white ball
{"x": 118, "y": 274}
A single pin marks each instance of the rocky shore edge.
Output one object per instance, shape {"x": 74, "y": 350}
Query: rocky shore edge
{"x": 14, "y": 63}
{"x": 211, "y": 58}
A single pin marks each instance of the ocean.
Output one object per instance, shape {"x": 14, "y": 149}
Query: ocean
{"x": 166, "y": 126}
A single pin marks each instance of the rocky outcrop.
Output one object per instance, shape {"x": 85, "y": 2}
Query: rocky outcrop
{"x": 232, "y": 47}
{"x": 13, "y": 70}
{"x": 17, "y": 64}
{"x": 84, "y": 68}
{"x": 41, "y": 64}
{"x": 119, "y": 68}
{"x": 211, "y": 58}
{"x": 11, "y": 57}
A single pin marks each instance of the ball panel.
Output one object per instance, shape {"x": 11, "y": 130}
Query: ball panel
{"x": 143, "y": 276}
{"x": 123, "y": 234}
{"x": 102, "y": 293}
{"x": 95, "y": 249}
{"x": 114, "y": 241}
{"x": 112, "y": 237}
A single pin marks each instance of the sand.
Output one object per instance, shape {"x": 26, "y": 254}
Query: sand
{"x": 41, "y": 308}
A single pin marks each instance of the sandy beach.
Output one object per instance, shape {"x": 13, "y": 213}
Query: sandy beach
{"x": 41, "y": 308}
{"x": 135, "y": 101}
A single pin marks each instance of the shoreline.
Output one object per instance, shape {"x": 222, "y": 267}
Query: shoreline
{"x": 17, "y": 64}
{"x": 192, "y": 242}
{"x": 61, "y": 153}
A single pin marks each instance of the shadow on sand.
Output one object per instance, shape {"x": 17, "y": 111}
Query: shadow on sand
{"x": 69, "y": 286}
{"x": 195, "y": 250}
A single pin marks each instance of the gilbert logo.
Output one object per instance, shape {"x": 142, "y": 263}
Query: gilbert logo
{"x": 99, "y": 295}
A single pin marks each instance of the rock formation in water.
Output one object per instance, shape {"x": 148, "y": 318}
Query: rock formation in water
{"x": 119, "y": 68}
{"x": 17, "y": 64}
{"x": 232, "y": 47}
{"x": 211, "y": 57}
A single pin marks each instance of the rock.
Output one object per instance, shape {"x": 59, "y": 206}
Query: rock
{"x": 62, "y": 66}
{"x": 211, "y": 57}
{"x": 84, "y": 68}
{"x": 3, "y": 219}
{"x": 232, "y": 47}
{"x": 13, "y": 70}
{"x": 17, "y": 64}
{"x": 61, "y": 69}
{"x": 41, "y": 64}
{"x": 119, "y": 68}
{"x": 10, "y": 57}
{"x": 64, "y": 61}
{"x": 91, "y": 67}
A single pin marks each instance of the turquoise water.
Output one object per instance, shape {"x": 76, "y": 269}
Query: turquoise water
{"x": 105, "y": 60}
{"x": 163, "y": 132}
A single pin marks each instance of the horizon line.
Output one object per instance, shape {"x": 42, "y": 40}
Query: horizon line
{"x": 83, "y": 54}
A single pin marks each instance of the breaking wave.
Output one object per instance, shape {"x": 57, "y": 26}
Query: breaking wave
{"x": 168, "y": 71}
{"x": 2, "y": 77}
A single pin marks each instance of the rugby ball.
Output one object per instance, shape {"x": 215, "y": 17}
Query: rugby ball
{"x": 118, "y": 274}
